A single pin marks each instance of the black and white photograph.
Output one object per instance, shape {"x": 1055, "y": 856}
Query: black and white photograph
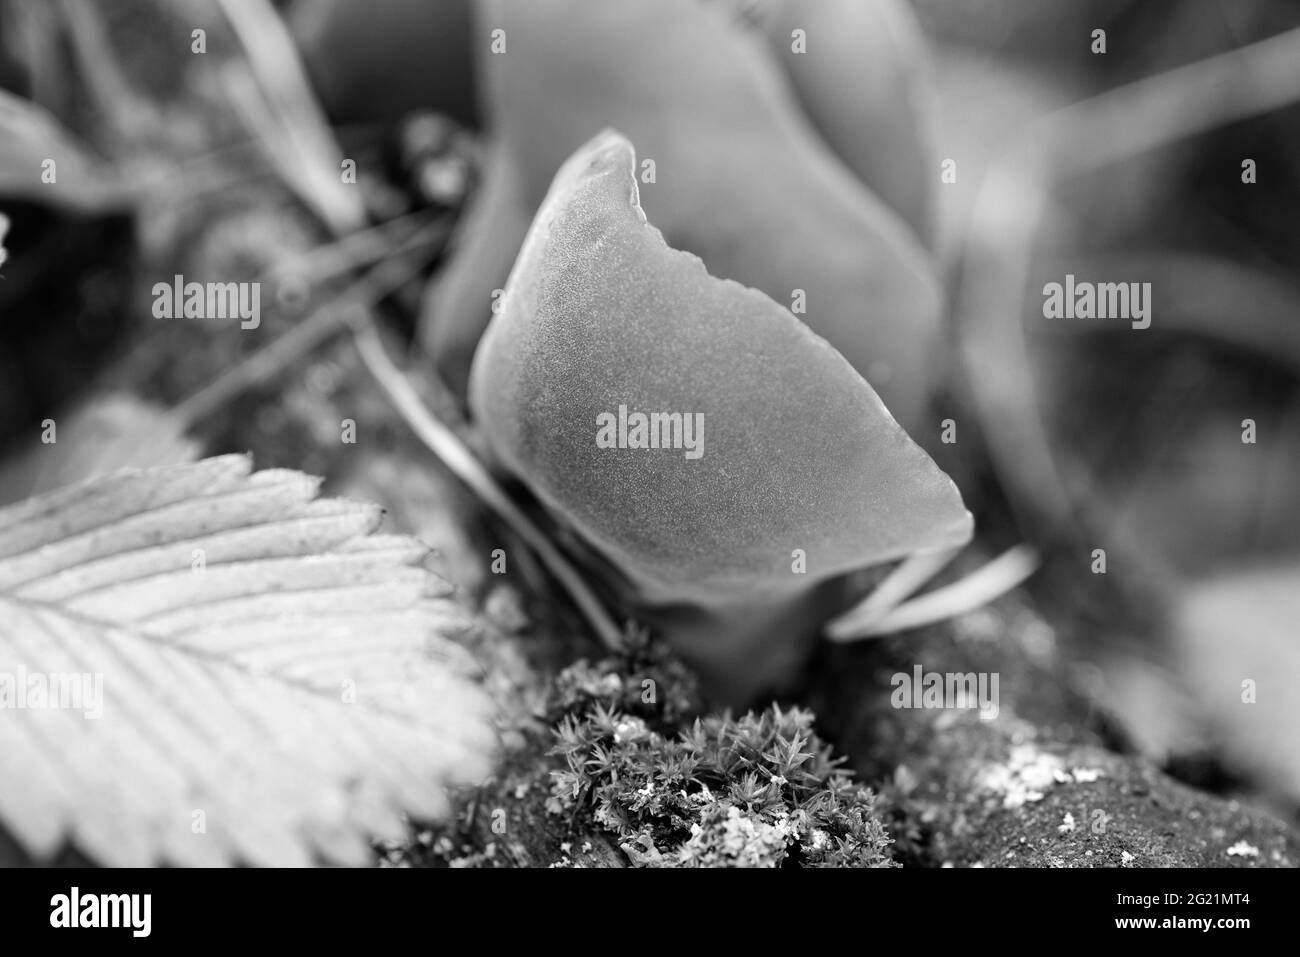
{"x": 649, "y": 434}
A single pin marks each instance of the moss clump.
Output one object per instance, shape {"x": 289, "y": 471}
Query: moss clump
{"x": 644, "y": 680}
{"x": 758, "y": 791}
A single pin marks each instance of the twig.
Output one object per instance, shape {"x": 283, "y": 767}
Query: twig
{"x": 445, "y": 444}
{"x": 355, "y": 250}
{"x": 321, "y": 324}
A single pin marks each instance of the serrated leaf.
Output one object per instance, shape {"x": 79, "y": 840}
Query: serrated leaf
{"x": 107, "y": 432}
{"x": 271, "y": 668}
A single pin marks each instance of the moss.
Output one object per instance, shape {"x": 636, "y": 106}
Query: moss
{"x": 644, "y": 680}
{"x": 758, "y": 791}
{"x": 624, "y": 767}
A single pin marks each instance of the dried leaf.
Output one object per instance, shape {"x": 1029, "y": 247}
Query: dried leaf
{"x": 276, "y": 681}
{"x": 741, "y": 179}
{"x": 862, "y": 81}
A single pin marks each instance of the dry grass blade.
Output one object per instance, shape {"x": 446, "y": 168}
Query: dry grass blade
{"x": 130, "y": 115}
{"x": 274, "y": 680}
{"x": 287, "y": 118}
{"x": 30, "y": 137}
{"x": 1015, "y": 196}
{"x": 461, "y": 461}
{"x": 987, "y": 583}
{"x": 908, "y": 576}
{"x": 321, "y": 324}
{"x": 1199, "y": 291}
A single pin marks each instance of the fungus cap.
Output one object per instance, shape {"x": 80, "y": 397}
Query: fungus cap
{"x": 798, "y": 451}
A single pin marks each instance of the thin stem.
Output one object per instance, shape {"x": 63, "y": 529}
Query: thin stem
{"x": 974, "y": 591}
{"x": 1174, "y": 105}
{"x": 289, "y": 119}
{"x": 903, "y": 581}
{"x": 449, "y": 449}
{"x": 320, "y": 325}
{"x": 362, "y": 248}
